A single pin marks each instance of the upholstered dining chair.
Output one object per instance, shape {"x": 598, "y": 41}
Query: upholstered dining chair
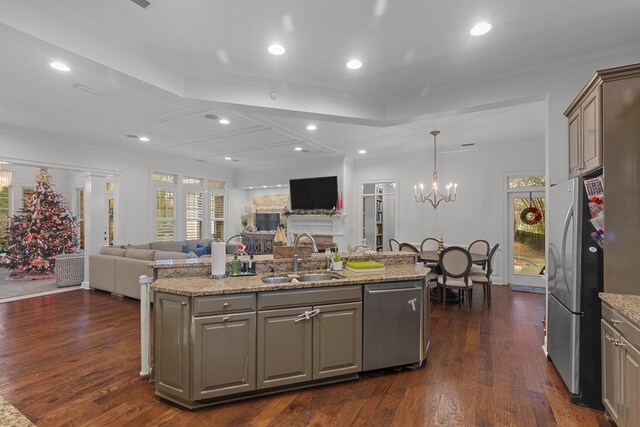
{"x": 408, "y": 247}
{"x": 429, "y": 244}
{"x": 455, "y": 263}
{"x": 394, "y": 245}
{"x": 480, "y": 247}
{"x": 483, "y": 277}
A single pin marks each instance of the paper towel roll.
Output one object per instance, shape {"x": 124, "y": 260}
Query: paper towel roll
{"x": 218, "y": 258}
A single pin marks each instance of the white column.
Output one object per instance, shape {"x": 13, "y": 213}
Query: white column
{"x": 95, "y": 219}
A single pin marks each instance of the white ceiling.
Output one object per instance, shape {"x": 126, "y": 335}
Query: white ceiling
{"x": 406, "y": 46}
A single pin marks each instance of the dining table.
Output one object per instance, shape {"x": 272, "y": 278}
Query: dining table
{"x": 434, "y": 257}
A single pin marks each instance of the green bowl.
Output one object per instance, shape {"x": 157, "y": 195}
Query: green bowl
{"x": 364, "y": 265}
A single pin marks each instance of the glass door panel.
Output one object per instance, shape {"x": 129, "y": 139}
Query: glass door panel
{"x": 527, "y": 238}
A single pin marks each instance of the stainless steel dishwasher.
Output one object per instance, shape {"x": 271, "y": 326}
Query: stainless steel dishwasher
{"x": 395, "y": 325}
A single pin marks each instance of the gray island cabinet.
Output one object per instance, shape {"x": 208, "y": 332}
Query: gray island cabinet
{"x": 250, "y": 339}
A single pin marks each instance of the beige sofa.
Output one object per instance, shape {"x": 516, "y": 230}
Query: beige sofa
{"x": 117, "y": 268}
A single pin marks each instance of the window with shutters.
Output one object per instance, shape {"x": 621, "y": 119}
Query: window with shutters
{"x": 193, "y": 215}
{"x": 26, "y": 194}
{"x": 165, "y": 214}
{"x": 188, "y": 207}
{"x": 217, "y": 216}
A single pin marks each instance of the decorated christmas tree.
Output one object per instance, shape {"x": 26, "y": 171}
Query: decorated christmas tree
{"x": 43, "y": 229}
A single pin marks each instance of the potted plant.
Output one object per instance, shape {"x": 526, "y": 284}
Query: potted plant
{"x": 336, "y": 264}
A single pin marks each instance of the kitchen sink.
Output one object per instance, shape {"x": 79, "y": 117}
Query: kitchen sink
{"x": 311, "y": 277}
{"x": 276, "y": 279}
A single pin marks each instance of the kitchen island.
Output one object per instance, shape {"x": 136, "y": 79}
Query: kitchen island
{"x": 218, "y": 340}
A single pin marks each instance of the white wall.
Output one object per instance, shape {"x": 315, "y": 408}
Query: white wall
{"x": 480, "y": 209}
{"x": 134, "y": 169}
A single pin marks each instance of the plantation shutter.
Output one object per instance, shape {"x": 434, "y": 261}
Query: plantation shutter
{"x": 217, "y": 216}
{"x": 165, "y": 215}
{"x": 193, "y": 211}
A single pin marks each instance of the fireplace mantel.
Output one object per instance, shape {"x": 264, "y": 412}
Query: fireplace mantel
{"x": 318, "y": 225}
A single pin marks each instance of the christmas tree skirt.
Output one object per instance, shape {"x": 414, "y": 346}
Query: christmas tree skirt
{"x": 11, "y": 287}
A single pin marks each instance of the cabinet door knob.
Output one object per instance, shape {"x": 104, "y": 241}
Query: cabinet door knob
{"x": 615, "y": 321}
{"x": 225, "y": 319}
{"x": 226, "y": 304}
{"x": 183, "y": 303}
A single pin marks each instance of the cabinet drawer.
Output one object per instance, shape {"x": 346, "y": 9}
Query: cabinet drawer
{"x": 621, "y": 324}
{"x": 278, "y": 299}
{"x": 224, "y": 304}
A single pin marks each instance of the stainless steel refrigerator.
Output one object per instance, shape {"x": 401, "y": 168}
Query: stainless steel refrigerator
{"x": 575, "y": 276}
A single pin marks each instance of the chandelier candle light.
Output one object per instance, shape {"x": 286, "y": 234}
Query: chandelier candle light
{"x": 435, "y": 196}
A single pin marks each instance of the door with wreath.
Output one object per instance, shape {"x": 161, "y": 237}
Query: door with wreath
{"x": 526, "y": 238}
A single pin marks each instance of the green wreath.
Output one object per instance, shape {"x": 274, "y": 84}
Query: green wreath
{"x": 531, "y": 215}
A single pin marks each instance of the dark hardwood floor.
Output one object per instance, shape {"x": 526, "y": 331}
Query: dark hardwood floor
{"x": 73, "y": 359}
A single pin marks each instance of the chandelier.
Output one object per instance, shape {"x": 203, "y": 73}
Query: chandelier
{"x": 5, "y": 178}
{"x": 435, "y": 196}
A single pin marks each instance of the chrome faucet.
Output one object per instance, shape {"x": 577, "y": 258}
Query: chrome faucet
{"x": 314, "y": 248}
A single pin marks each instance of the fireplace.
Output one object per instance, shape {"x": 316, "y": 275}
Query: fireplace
{"x": 329, "y": 229}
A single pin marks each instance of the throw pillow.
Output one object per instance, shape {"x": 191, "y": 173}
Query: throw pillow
{"x": 185, "y": 249}
{"x": 208, "y": 247}
{"x": 200, "y": 250}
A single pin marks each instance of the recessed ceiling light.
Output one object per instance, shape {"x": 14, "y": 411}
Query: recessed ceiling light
{"x": 279, "y": 185}
{"x": 5, "y": 163}
{"x": 227, "y": 158}
{"x": 60, "y": 66}
{"x": 312, "y": 127}
{"x": 480, "y": 28}
{"x": 298, "y": 148}
{"x": 264, "y": 186}
{"x": 250, "y": 188}
{"x": 362, "y": 152}
{"x": 354, "y": 64}
{"x": 224, "y": 121}
{"x": 144, "y": 139}
{"x": 276, "y": 49}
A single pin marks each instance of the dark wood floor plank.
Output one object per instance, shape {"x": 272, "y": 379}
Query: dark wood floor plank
{"x": 73, "y": 359}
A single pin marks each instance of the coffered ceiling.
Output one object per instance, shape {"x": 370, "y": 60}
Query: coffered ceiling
{"x": 159, "y": 71}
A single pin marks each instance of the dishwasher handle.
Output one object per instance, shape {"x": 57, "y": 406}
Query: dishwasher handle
{"x": 384, "y": 291}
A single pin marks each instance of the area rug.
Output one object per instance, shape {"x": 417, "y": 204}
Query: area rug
{"x": 10, "y": 287}
{"x": 532, "y": 289}
{"x": 10, "y": 416}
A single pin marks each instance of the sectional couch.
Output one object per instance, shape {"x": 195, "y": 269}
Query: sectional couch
{"x": 116, "y": 269}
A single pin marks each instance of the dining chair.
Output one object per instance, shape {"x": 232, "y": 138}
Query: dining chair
{"x": 484, "y": 277}
{"x": 480, "y": 247}
{"x": 455, "y": 263}
{"x": 429, "y": 244}
{"x": 408, "y": 247}
{"x": 394, "y": 245}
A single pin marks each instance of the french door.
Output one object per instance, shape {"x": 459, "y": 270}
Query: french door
{"x": 526, "y": 238}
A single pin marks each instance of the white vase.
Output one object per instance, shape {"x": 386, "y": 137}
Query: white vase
{"x": 336, "y": 266}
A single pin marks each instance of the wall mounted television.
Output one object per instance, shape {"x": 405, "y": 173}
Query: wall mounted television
{"x": 314, "y": 193}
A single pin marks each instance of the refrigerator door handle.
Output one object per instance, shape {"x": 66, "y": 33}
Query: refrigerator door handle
{"x": 567, "y": 221}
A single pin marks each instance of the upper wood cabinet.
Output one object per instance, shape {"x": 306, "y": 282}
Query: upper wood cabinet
{"x": 585, "y": 130}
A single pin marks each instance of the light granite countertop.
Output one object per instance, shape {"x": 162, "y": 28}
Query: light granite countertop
{"x": 389, "y": 257}
{"x": 628, "y": 305}
{"x": 203, "y": 285}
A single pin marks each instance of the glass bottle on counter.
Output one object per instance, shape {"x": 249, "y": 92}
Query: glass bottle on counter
{"x": 252, "y": 265}
{"x": 235, "y": 265}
